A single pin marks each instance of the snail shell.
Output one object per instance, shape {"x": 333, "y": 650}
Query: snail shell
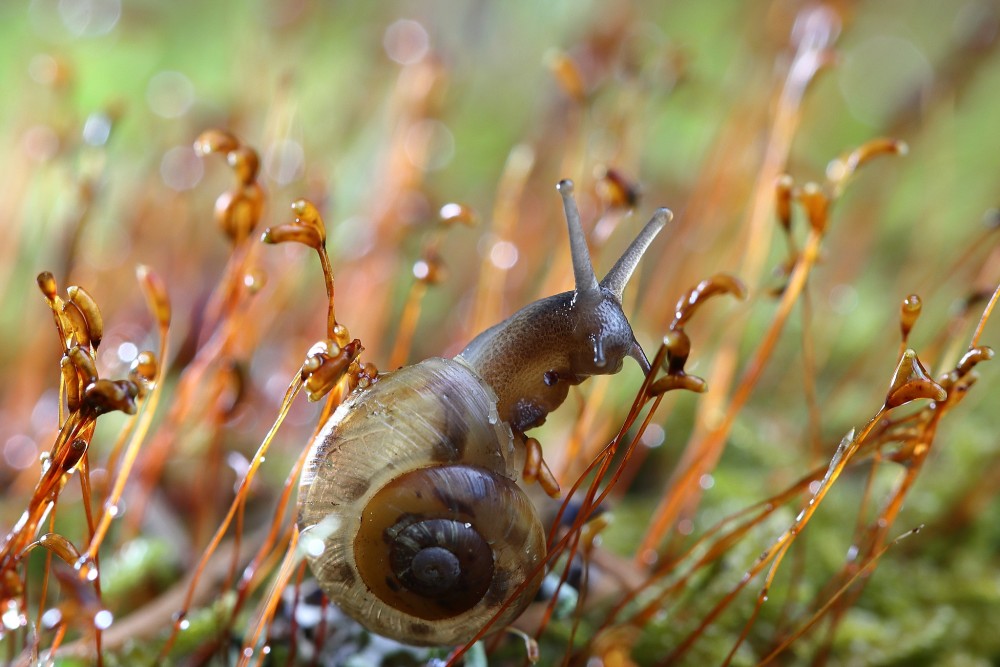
{"x": 413, "y": 522}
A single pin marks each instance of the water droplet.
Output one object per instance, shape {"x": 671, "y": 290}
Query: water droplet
{"x": 314, "y": 546}
{"x": 184, "y": 625}
{"x": 127, "y": 352}
{"x": 86, "y": 566}
{"x": 51, "y": 618}
{"x": 103, "y": 619}
{"x": 13, "y": 618}
{"x": 97, "y": 129}
{"x": 254, "y": 280}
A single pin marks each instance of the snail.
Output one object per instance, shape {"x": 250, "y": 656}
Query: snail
{"x": 411, "y": 516}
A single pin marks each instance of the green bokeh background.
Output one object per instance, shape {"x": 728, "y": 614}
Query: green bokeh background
{"x": 318, "y": 73}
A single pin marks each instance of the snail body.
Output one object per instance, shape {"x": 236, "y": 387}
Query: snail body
{"x": 410, "y": 511}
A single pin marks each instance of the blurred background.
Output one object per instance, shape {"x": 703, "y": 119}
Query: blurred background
{"x": 383, "y": 113}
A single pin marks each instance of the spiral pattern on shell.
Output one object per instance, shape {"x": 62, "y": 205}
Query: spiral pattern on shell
{"x": 410, "y": 514}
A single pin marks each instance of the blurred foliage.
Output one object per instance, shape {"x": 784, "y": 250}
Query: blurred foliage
{"x": 381, "y": 113}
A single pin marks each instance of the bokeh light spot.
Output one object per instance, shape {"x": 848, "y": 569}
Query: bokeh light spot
{"x": 429, "y": 145}
{"x": 504, "y": 254}
{"x": 180, "y": 168}
{"x": 406, "y": 42}
{"x": 170, "y": 94}
{"x": 883, "y": 76}
{"x": 90, "y": 18}
{"x": 20, "y": 451}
